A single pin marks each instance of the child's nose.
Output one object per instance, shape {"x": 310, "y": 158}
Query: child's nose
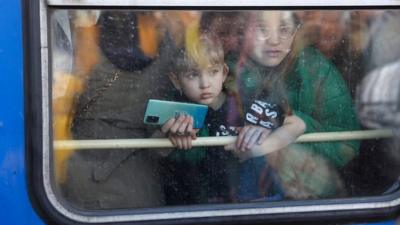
{"x": 204, "y": 82}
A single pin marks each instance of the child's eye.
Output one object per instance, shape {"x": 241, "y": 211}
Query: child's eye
{"x": 190, "y": 75}
{"x": 215, "y": 71}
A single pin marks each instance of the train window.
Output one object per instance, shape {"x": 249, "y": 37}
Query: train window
{"x": 298, "y": 121}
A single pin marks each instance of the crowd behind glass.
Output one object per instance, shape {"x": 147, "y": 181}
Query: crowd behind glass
{"x": 267, "y": 77}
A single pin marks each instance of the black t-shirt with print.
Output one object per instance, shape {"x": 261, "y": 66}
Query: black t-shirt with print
{"x": 220, "y": 166}
{"x": 202, "y": 175}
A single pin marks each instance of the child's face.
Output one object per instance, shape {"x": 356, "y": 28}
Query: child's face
{"x": 274, "y": 34}
{"x": 203, "y": 86}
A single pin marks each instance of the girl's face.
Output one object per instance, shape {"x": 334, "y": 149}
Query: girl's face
{"x": 273, "y": 37}
{"x": 203, "y": 86}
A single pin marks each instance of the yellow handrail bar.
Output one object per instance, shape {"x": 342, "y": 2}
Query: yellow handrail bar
{"x": 211, "y": 141}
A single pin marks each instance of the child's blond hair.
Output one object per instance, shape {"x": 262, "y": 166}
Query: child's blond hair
{"x": 200, "y": 51}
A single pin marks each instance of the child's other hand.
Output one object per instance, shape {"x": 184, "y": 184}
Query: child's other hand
{"x": 249, "y": 135}
{"x": 180, "y": 131}
{"x": 255, "y": 151}
{"x": 241, "y": 155}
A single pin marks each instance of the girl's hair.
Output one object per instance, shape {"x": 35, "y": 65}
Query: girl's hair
{"x": 274, "y": 82}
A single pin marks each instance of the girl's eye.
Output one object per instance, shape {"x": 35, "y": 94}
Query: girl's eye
{"x": 285, "y": 30}
{"x": 264, "y": 30}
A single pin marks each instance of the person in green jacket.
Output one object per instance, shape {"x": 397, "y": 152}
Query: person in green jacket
{"x": 275, "y": 62}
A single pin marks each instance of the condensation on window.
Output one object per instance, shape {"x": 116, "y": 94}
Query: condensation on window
{"x": 274, "y": 81}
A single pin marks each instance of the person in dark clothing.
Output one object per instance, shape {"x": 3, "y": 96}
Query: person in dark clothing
{"x": 112, "y": 107}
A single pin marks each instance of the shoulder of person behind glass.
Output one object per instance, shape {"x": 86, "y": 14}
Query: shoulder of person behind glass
{"x": 384, "y": 45}
{"x": 378, "y": 97}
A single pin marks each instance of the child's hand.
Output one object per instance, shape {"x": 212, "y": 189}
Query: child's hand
{"x": 180, "y": 131}
{"x": 249, "y": 135}
{"x": 182, "y": 141}
{"x": 241, "y": 155}
{"x": 261, "y": 118}
{"x": 255, "y": 151}
{"x": 276, "y": 140}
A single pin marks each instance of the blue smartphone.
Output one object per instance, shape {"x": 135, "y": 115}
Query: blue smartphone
{"x": 159, "y": 112}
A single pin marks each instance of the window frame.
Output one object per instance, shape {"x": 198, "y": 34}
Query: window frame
{"x": 39, "y": 132}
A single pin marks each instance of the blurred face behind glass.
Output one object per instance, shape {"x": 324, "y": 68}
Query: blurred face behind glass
{"x": 332, "y": 31}
{"x": 324, "y": 29}
{"x": 274, "y": 34}
{"x": 228, "y": 29}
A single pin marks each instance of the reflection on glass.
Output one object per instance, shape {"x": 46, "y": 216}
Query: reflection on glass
{"x": 267, "y": 77}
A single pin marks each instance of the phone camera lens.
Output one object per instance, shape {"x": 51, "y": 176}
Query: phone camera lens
{"x": 152, "y": 119}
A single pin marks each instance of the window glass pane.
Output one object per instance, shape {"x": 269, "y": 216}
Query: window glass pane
{"x": 268, "y": 77}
